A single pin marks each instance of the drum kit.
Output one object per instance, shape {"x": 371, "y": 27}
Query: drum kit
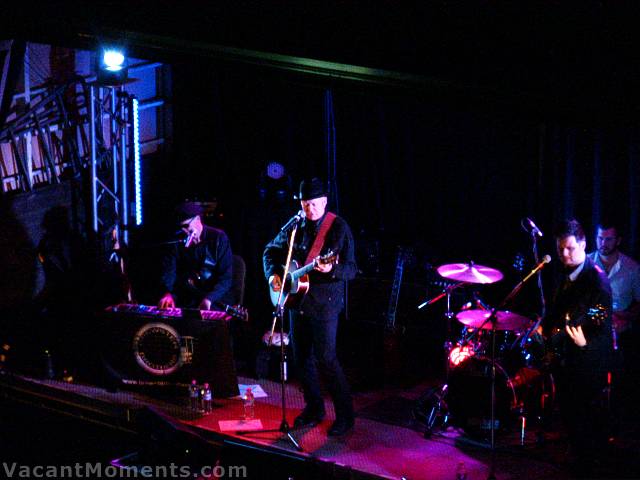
{"x": 489, "y": 337}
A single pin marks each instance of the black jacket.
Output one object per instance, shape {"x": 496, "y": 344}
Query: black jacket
{"x": 201, "y": 271}
{"x": 326, "y": 291}
{"x": 587, "y": 302}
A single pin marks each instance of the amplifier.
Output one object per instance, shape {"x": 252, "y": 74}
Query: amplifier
{"x": 151, "y": 347}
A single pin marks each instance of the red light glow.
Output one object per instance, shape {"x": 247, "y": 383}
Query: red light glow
{"x": 459, "y": 354}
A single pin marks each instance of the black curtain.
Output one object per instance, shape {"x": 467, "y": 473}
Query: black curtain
{"x": 451, "y": 179}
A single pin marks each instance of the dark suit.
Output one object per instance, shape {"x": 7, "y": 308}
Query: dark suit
{"x": 582, "y": 372}
{"x": 200, "y": 271}
{"x": 314, "y": 322}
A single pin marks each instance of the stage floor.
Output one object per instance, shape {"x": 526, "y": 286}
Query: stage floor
{"x": 385, "y": 443}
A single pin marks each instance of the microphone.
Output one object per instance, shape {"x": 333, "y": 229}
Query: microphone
{"x": 545, "y": 259}
{"x": 293, "y": 220}
{"x": 189, "y": 240}
{"x": 531, "y": 227}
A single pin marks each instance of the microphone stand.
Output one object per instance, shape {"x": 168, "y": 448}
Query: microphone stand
{"x": 494, "y": 323}
{"x": 278, "y": 314}
{"x": 543, "y": 304}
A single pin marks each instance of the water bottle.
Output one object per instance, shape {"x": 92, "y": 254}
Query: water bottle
{"x": 248, "y": 401}
{"x": 207, "y": 399}
{"x": 284, "y": 367}
{"x": 194, "y": 396}
{"x": 461, "y": 471}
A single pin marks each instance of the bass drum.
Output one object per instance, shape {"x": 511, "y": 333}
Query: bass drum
{"x": 469, "y": 396}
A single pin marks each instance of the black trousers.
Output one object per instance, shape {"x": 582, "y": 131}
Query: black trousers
{"x": 584, "y": 410}
{"x": 314, "y": 350}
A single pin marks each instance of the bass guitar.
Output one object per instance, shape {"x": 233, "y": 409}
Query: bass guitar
{"x": 296, "y": 284}
{"x": 595, "y": 318}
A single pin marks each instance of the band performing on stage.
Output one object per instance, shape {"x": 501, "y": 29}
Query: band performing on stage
{"x": 515, "y": 366}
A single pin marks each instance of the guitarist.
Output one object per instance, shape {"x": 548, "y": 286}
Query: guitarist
{"x": 196, "y": 272}
{"x": 314, "y": 320}
{"x": 583, "y": 342}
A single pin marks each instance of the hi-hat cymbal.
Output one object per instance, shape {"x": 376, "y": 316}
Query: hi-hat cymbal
{"x": 506, "y": 320}
{"x": 470, "y": 272}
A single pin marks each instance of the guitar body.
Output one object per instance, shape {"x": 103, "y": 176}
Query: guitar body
{"x": 296, "y": 285}
{"x": 556, "y": 344}
{"x": 295, "y": 289}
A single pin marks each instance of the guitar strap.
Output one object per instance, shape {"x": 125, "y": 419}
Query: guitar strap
{"x": 322, "y": 234}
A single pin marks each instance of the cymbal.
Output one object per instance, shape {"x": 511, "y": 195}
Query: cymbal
{"x": 506, "y": 320}
{"x": 470, "y": 272}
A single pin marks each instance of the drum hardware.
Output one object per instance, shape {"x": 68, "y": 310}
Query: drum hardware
{"x": 446, "y": 292}
{"x": 464, "y": 274}
{"x": 493, "y": 318}
{"x": 472, "y": 368}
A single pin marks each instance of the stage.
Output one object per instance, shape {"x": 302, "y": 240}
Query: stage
{"x": 386, "y": 441}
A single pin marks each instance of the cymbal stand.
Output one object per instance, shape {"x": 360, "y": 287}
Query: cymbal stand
{"x": 439, "y": 407}
{"x": 278, "y": 315}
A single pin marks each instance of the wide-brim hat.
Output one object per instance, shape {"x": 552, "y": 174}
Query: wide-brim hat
{"x": 310, "y": 189}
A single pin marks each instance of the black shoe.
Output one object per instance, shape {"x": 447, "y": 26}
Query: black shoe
{"x": 308, "y": 418}
{"x": 341, "y": 426}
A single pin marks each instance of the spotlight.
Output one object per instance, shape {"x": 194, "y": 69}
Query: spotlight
{"x": 113, "y": 60}
{"x": 112, "y": 67}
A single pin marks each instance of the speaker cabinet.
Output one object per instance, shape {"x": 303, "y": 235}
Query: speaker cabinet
{"x": 152, "y": 351}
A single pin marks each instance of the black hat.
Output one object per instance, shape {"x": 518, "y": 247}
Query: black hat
{"x": 310, "y": 189}
{"x": 186, "y": 210}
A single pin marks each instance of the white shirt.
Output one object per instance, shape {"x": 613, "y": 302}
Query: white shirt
{"x": 624, "y": 278}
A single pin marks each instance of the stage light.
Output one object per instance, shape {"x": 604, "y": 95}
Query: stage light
{"x": 113, "y": 60}
{"x": 459, "y": 354}
{"x": 137, "y": 167}
{"x": 275, "y": 170}
{"x": 112, "y": 67}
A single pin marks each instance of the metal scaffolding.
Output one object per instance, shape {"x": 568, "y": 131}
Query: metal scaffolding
{"x": 114, "y": 158}
{"x": 83, "y": 130}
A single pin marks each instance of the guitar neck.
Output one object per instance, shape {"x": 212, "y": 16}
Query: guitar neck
{"x": 395, "y": 292}
{"x": 296, "y": 274}
{"x": 238, "y": 313}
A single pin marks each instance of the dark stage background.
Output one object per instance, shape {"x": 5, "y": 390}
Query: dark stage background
{"x": 453, "y": 180}
{"x": 451, "y": 175}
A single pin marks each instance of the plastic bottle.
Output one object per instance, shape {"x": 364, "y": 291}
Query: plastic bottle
{"x": 461, "y": 471}
{"x": 284, "y": 367}
{"x": 194, "y": 396}
{"x": 207, "y": 399}
{"x": 248, "y": 402}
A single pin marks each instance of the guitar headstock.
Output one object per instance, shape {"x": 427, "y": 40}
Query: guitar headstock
{"x": 518, "y": 262}
{"x": 239, "y": 312}
{"x": 405, "y": 256}
{"x": 329, "y": 257}
{"x": 234, "y": 311}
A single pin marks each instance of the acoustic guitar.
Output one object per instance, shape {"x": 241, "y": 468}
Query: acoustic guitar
{"x": 296, "y": 284}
